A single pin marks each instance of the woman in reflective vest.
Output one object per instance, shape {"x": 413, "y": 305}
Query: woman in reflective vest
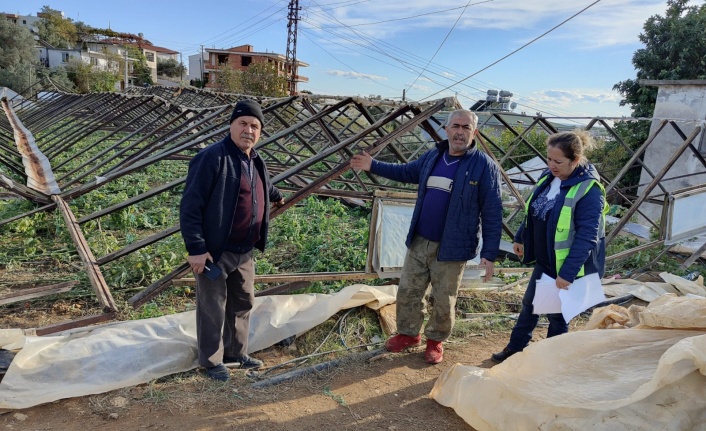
{"x": 563, "y": 232}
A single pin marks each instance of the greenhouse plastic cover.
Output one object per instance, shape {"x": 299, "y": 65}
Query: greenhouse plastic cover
{"x": 650, "y": 377}
{"x": 103, "y": 358}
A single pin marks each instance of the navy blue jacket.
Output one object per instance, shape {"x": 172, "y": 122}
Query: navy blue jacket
{"x": 587, "y": 249}
{"x": 210, "y": 196}
{"x": 475, "y": 199}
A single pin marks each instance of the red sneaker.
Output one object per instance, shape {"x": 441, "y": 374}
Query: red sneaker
{"x": 434, "y": 353}
{"x": 400, "y": 342}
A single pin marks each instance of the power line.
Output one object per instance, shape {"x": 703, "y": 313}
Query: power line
{"x": 234, "y": 37}
{"x": 442, "y": 44}
{"x": 349, "y": 3}
{"x": 374, "y": 42}
{"x": 363, "y": 75}
{"x": 239, "y": 25}
{"x": 518, "y": 49}
{"x": 417, "y": 16}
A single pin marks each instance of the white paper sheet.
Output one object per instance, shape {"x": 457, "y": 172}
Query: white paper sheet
{"x": 583, "y": 293}
{"x": 546, "y": 296}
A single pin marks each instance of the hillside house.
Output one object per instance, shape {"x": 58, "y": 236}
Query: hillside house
{"x": 206, "y": 66}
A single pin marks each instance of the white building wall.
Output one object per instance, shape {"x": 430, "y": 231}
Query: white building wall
{"x": 195, "y": 66}
{"x": 151, "y": 57}
{"x": 685, "y": 102}
{"x": 61, "y": 57}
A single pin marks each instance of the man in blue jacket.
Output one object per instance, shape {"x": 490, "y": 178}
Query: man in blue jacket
{"x": 224, "y": 214}
{"x": 459, "y": 190}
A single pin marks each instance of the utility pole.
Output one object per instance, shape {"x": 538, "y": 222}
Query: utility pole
{"x": 203, "y": 84}
{"x": 404, "y": 94}
{"x": 291, "y": 60}
{"x": 181, "y": 69}
{"x": 126, "y": 79}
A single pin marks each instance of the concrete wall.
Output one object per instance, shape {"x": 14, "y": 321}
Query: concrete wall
{"x": 685, "y": 101}
{"x": 195, "y": 66}
{"x": 56, "y": 57}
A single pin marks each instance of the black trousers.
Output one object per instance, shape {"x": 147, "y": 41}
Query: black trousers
{"x": 527, "y": 320}
{"x": 223, "y": 309}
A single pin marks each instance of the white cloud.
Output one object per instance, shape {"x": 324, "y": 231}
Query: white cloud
{"x": 609, "y": 22}
{"x": 567, "y": 97}
{"x": 423, "y": 88}
{"x": 448, "y": 75}
{"x": 355, "y": 75}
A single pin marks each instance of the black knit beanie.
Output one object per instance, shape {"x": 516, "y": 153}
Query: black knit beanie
{"x": 247, "y": 108}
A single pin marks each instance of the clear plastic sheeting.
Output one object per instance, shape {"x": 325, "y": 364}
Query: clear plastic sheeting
{"x": 115, "y": 355}
{"x": 631, "y": 379}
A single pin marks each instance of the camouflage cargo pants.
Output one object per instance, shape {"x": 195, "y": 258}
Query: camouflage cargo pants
{"x": 420, "y": 268}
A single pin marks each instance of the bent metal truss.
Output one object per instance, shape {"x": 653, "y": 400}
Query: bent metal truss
{"x": 57, "y": 146}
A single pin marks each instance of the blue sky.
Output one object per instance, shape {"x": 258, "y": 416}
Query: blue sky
{"x": 374, "y": 47}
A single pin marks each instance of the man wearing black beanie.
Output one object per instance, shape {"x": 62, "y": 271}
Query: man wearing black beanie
{"x": 224, "y": 215}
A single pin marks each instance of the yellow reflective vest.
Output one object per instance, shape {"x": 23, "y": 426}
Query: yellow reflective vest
{"x": 565, "y": 231}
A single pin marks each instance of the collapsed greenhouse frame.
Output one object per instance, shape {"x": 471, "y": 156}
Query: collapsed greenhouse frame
{"x": 307, "y": 143}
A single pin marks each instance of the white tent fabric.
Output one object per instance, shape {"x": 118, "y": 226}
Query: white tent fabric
{"x": 632, "y": 379}
{"x": 111, "y": 356}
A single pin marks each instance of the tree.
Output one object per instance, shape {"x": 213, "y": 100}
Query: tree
{"x": 58, "y": 75}
{"x": 56, "y": 30}
{"x": 88, "y": 79}
{"x": 259, "y": 79}
{"x": 17, "y": 57}
{"x": 675, "y": 48}
{"x": 263, "y": 79}
{"x": 227, "y": 79}
{"x": 140, "y": 70}
{"x": 170, "y": 68}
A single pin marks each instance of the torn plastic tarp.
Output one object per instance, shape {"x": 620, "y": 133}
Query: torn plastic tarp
{"x": 629, "y": 379}
{"x": 115, "y": 355}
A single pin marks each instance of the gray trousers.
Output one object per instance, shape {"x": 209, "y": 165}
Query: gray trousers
{"x": 421, "y": 267}
{"x": 223, "y": 309}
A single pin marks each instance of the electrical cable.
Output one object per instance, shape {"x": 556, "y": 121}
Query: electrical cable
{"x": 350, "y": 3}
{"x": 363, "y": 75}
{"x": 373, "y": 45}
{"x": 518, "y": 49}
{"x": 417, "y": 16}
{"x": 239, "y": 26}
{"x": 441, "y": 45}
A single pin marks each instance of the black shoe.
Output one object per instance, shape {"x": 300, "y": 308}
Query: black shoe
{"x": 501, "y": 356}
{"x": 219, "y": 372}
{"x": 246, "y": 362}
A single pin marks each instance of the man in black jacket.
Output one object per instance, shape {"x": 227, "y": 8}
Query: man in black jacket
{"x": 224, "y": 215}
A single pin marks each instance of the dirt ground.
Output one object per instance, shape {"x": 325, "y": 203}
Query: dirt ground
{"x": 388, "y": 393}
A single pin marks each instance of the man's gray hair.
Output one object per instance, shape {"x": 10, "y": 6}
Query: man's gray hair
{"x": 464, "y": 112}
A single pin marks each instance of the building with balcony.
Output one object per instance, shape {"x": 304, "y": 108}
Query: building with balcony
{"x": 205, "y": 66}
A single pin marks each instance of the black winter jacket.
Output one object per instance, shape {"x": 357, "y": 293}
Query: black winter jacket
{"x": 210, "y": 196}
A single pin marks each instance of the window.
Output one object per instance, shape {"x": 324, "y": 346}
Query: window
{"x": 245, "y": 61}
{"x": 24, "y": 21}
{"x": 222, "y": 59}
{"x": 65, "y": 57}
{"x": 94, "y": 61}
{"x": 150, "y": 56}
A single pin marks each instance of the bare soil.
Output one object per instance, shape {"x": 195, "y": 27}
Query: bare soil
{"x": 390, "y": 392}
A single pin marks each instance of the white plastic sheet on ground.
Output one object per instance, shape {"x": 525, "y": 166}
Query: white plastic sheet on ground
{"x": 107, "y": 357}
{"x": 623, "y": 379}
